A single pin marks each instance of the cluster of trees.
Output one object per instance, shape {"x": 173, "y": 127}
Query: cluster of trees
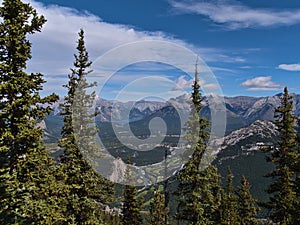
{"x": 202, "y": 197}
{"x": 34, "y": 189}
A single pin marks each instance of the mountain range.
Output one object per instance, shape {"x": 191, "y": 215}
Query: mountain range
{"x": 241, "y": 111}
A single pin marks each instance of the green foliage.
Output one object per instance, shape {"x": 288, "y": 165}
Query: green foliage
{"x": 297, "y": 183}
{"x": 33, "y": 190}
{"x": 207, "y": 197}
{"x": 247, "y": 207}
{"x": 29, "y": 194}
{"x": 229, "y": 206}
{"x": 131, "y": 203}
{"x": 212, "y": 195}
{"x": 131, "y": 207}
{"x": 199, "y": 189}
{"x": 237, "y": 207}
{"x": 196, "y": 128}
{"x": 283, "y": 200}
{"x": 157, "y": 208}
{"x": 87, "y": 190}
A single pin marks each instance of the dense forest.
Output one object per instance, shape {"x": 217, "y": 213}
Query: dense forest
{"x": 35, "y": 188}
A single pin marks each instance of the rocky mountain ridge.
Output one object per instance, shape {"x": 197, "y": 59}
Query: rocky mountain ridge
{"x": 259, "y": 133}
{"x": 242, "y": 151}
{"x": 245, "y": 107}
{"x": 241, "y": 111}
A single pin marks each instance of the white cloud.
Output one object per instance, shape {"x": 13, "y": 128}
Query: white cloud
{"x": 236, "y": 15}
{"x": 183, "y": 84}
{"x": 211, "y": 86}
{"x": 261, "y": 84}
{"x": 53, "y": 48}
{"x": 290, "y": 67}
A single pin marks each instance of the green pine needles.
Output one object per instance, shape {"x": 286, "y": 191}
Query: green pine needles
{"x": 284, "y": 201}
{"x": 34, "y": 189}
{"x": 27, "y": 191}
{"x": 196, "y": 184}
{"x": 87, "y": 191}
{"x": 131, "y": 208}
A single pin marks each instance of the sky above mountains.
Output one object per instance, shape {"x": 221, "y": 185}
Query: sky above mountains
{"x": 252, "y": 47}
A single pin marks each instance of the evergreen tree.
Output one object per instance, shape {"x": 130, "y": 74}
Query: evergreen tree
{"x": 166, "y": 192}
{"x": 131, "y": 204}
{"x": 297, "y": 183}
{"x": 157, "y": 208}
{"x": 159, "y": 205}
{"x": 29, "y": 194}
{"x": 247, "y": 209}
{"x": 229, "y": 207}
{"x": 87, "y": 190}
{"x": 283, "y": 200}
{"x": 199, "y": 190}
{"x": 212, "y": 195}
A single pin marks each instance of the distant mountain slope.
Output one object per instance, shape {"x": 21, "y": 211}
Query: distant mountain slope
{"x": 241, "y": 111}
{"x": 241, "y": 151}
{"x": 255, "y": 108}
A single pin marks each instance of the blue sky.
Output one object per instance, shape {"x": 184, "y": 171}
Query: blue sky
{"x": 252, "y": 47}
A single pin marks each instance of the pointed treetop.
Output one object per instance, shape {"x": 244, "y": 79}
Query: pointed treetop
{"x": 196, "y": 70}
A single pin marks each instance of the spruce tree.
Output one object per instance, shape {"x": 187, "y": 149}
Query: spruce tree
{"x": 88, "y": 191}
{"x": 157, "y": 208}
{"x": 283, "y": 199}
{"x": 229, "y": 206}
{"x": 166, "y": 192}
{"x": 131, "y": 203}
{"x": 197, "y": 186}
{"x": 247, "y": 206}
{"x": 297, "y": 182}
{"x": 29, "y": 194}
{"x": 212, "y": 195}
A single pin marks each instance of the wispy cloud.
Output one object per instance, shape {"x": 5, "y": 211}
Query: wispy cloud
{"x": 211, "y": 86}
{"x": 263, "y": 83}
{"x": 53, "y": 48}
{"x": 182, "y": 84}
{"x": 290, "y": 67}
{"x": 235, "y": 15}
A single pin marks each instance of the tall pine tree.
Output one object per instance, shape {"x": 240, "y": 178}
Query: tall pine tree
{"x": 283, "y": 199}
{"x": 157, "y": 208}
{"x": 212, "y": 194}
{"x": 29, "y": 193}
{"x": 247, "y": 207}
{"x": 197, "y": 187}
{"x": 87, "y": 190}
{"x": 131, "y": 208}
{"x": 297, "y": 183}
{"x": 229, "y": 206}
